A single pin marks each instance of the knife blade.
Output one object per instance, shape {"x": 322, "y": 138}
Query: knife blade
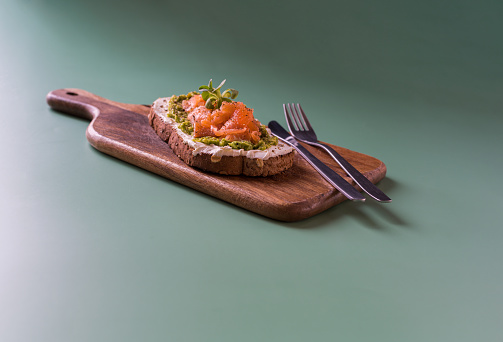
{"x": 330, "y": 175}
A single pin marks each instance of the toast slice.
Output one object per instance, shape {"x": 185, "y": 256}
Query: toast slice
{"x": 212, "y": 158}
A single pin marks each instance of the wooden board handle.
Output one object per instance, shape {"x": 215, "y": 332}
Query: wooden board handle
{"x": 87, "y": 105}
{"x": 76, "y": 102}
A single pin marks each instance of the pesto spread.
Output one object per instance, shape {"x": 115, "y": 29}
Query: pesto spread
{"x": 176, "y": 112}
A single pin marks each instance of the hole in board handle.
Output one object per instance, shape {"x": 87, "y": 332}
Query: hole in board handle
{"x": 71, "y": 93}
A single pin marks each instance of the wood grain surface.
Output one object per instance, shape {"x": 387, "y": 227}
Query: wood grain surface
{"x": 122, "y": 130}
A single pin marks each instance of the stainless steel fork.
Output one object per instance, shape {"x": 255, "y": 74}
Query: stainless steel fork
{"x": 302, "y": 130}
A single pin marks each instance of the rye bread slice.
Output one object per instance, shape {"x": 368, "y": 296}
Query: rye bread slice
{"x": 227, "y": 165}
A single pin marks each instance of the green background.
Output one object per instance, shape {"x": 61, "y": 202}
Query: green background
{"x": 94, "y": 249}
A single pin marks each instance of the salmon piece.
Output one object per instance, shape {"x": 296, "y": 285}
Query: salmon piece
{"x": 196, "y": 117}
{"x": 192, "y": 103}
{"x": 219, "y": 116}
{"x": 222, "y": 132}
{"x": 232, "y": 121}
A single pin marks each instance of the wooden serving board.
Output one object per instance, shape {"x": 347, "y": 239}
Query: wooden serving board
{"x": 122, "y": 130}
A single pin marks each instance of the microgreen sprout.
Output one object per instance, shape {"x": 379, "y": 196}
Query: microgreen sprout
{"x": 214, "y": 97}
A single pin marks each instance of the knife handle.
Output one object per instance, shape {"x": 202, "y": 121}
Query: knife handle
{"x": 366, "y": 185}
{"x": 330, "y": 175}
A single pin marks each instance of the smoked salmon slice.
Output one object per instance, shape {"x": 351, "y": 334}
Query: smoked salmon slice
{"x": 232, "y": 121}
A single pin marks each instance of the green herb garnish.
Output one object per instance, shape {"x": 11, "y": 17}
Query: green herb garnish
{"x": 214, "y": 97}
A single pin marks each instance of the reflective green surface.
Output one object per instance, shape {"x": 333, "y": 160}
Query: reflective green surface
{"x": 93, "y": 249}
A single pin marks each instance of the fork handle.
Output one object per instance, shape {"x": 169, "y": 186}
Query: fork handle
{"x": 366, "y": 185}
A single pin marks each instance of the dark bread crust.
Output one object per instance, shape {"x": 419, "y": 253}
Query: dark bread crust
{"x": 227, "y": 165}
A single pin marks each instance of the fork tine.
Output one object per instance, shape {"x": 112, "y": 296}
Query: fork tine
{"x": 289, "y": 121}
{"x": 292, "y": 123}
{"x": 307, "y": 124}
{"x": 295, "y": 117}
{"x": 299, "y": 118}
